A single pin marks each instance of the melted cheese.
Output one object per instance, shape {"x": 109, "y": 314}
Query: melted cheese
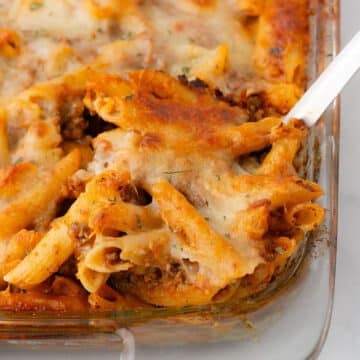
{"x": 179, "y": 140}
{"x": 181, "y": 37}
{"x": 168, "y": 36}
{"x": 194, "y": 175}
{"x": 50, "y": 16}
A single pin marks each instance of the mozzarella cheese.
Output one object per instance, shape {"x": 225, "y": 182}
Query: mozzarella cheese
{"x": 170, "y": 36}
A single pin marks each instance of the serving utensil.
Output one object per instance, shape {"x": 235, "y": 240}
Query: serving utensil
{"x": 328, "y": 85}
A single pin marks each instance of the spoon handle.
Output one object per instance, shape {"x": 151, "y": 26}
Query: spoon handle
{"x": 329, "y": 84}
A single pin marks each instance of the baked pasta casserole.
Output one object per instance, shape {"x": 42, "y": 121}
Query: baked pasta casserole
{"x": 143, "y": 158}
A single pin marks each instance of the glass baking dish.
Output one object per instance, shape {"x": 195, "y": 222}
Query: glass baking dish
{"x": 289, "y": 320}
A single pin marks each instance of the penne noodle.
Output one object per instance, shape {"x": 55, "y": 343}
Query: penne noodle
{"x": 305, "y": 216}
{"x": 143, "y": 158}
{"x": 27, "y": 207}
{"x": 91, "y": 280}
{"x": 107, "y": 299}
{"x": 280, "y": 51}
{"x": 202, "y": 244}
{"x": 44, "y": 260}
{"x": 105, "y": 257}
{"x": 124, "y": 217}
{"x": 249, "y": 137}
{"x": 17, "y": 248}
{"x": 279, "y": 161}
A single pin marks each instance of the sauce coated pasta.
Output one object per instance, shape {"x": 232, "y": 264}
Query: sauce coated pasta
{"x": 143, "y": 159}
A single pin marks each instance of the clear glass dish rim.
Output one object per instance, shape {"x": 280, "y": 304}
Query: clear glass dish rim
{"x": 329, "y": 41}
{"x": 328, "y": 44}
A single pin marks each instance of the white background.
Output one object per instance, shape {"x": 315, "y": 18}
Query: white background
{"x": 344, "y": 338}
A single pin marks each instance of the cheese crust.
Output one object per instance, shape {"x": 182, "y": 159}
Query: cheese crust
{"x": 143, "y": 159}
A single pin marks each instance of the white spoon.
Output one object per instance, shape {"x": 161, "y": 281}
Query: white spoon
{"x": 329, "y": 84}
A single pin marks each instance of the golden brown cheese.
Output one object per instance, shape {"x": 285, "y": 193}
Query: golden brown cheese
{"x": 227, "y": 43}
{"x": 173, "y": 191}
{"x": 280, "y": 44}
{"x": 204, "y": 208}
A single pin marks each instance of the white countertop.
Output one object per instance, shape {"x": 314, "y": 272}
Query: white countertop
{"x": 344, "y": 337}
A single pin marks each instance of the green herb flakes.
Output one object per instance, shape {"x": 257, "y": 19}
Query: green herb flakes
{"x": 128, "y": 36}
{"x": 35, "y": 5}
{"x": 279, "y": 250}
{"x": 138, "y": 223}
{"x": 176, "y": 172}
{"x": 19, "y": 160}
{"x": 185, "y": 70}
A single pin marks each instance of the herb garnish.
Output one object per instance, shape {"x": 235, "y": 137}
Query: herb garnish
{"x": 19, "y": 160}
{"x": 279, "y": 250}
{"x": 138, "y": 223}
{"x": 35, "y": 5}
{"x": 185, "y": 70}
{"x": 127, "y": 36}
{"x": 177, "y": 172}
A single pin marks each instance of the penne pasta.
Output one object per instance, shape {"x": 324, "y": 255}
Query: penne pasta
{"x": 107, "y": 299}
{"x": 202, "y": 244}
{"x": 143, "y": 159}
{"x": 91, "y": 280}
{"x": 280, "y": 52}
{"x": 17, "y": 248}
{"x": 279, "y": 161}
{"x": 43, "y": 260}
{"x": 28, "y": 206}
{"x": 305, "y": 216}
{"x": 124, "y": 217}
